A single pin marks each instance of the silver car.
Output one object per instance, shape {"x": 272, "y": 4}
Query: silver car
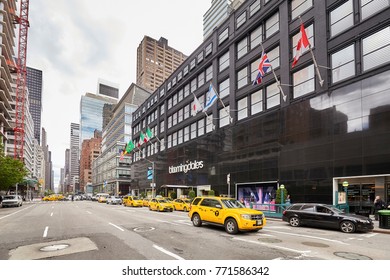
{"x": 12, "y": 200}
{"x": 114, "y": 200}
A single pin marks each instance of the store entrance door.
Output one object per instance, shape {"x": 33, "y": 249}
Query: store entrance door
{"x": 361, "y": 197}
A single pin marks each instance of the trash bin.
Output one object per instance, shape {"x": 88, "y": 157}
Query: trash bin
{"x": 384, "y": 219}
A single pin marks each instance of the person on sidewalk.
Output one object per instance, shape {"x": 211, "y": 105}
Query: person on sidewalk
{"x": 379, "y": 204}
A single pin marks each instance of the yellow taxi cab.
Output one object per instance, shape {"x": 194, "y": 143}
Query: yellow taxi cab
{"x": 133, "y": 201}
{"x": 102, "y": 197}
{"x": 160, "y": 204}
{"x": 181, "y": 204}
{"x": 227, "y": 212}
{"x": 52, "y": 197}
{"x": 145, "y": 202}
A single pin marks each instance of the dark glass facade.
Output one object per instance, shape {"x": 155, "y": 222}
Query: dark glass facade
{"x": 34, "y": 85}
{"x": 310, "y": 138}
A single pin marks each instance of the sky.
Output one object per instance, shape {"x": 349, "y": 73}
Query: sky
{"x": 77, "y": 42}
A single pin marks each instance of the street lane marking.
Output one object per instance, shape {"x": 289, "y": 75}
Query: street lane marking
{"x": 89, "y": 212}
{"x": 116, "y": 226}
{"x": 308, "y": 236}
{"x": 45, "y": 231}
{"x": 167, "y": 252}
{"x": 51, "y": 215}
{"x": 16, "y": 212}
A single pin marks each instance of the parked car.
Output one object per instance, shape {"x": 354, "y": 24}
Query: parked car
{"x": 114, "y": 200}
{"x": 325, "y": 216}
{"x": 133, "y": 201}
{"x": 145, "y": 202}
{"x": 12, "y": 200}
{"x": 160, "y": 204}
{"x": 227, "y": 212}
{"x": 182, "y": 204}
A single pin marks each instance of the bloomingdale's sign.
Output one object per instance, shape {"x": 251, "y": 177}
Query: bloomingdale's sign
{"x": 192, "y": 165}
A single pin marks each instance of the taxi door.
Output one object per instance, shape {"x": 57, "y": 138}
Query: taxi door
{"x": 212, "y": 209}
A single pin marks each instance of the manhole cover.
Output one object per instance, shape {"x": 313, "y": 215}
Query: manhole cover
{"x": 52, "y": 248}
{"x": 144, "y": 229}
{"x": 352, "y": 256}
{"x": 315, "y": 244}
{"x": 270, "y": 240}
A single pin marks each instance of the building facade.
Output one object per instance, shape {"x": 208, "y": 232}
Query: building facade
{"x": 324, "y": 137}
{"x": 74, "y": 156}
{"x": 34, "y": 85}
{"x": 110, "y": 173}
{"x": 156, "y": 61}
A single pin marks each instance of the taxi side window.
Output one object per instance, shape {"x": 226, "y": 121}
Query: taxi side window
{"x": 211, "y": 203}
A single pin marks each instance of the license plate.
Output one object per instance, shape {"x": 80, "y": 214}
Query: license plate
{"x": 259, "y": 222}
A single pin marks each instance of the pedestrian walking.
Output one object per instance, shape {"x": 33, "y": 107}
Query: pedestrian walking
{"x": 379, "y": 204}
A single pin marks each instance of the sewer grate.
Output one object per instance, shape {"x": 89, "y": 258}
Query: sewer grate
{"x": 55, "y": 247}
{"x": 315, "y": 244}
{"x": 351, "y": 256}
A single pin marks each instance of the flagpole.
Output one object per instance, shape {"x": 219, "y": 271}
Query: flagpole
{"x": 276, "y": 78}
{"x": 223, "y": 104}
{"x": 321, "y": 81}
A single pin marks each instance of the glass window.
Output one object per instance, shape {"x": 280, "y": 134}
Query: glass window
{"x": 370, "y": 7}
{"x": 303, "y": 81}
{"x": 209, "y": 123}
{"x": 273, "y": 95}
{"x": 223, "y": 36}
{"x": 200, "y": 57}
{"x": 162, "y": 110}
{"x": 180, "y": 136}
{"x": 341, "y": 18}
{"x": 180, "y": 115}
{"x": 169, "y": 141}
{"x": 272, "y": 25}
{"x": 201, "y": 79}
{"x": 180, "y": 95}
{"x": 273, "y": 56}
{"x": 209, "y": 73}
{"x": 224, "y": 88}
{"x": 300, "y": 6}
{"x": 309, "y": 32}
{"x": 192, "y": 64}
{"x": 174, "y": 119}
{"x": 187, "y": 112}
{"x": 193, "y": 130}
{"x": 174, "y": 99}
{"x": 242, "y": 108}
{"x": 224, "y": 61}
{"x": 376, "y": 49}
{"x": 193, "y": 85}
{"x": 242, "y": 48}
{"x": 254, "y": 7}
{"x": 242, "y": 77}
{"x": 179, "y": 75}
{"x": 201, "y": 127}
{"x": 174, "y": 139}
{"x": 186, "y": 133}
{"x": 209, "y": 49}
{"x": 343, "y": 64}
{"x": 186, "y": 90}
{"x": 224, "y": 116}
{"x": 257, "y": 102}
{"x": 241, "y": 20}
{"x": 169, "y": 122}
{"x": 256, "y": 37}
{"x": 169, "y": 103}
{"x": 185, "y": 71}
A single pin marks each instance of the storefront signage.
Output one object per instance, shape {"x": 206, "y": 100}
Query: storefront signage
{"x": 192, "y": 165}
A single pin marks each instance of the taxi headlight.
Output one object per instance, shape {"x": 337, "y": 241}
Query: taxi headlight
{"x": 246, "y": 216}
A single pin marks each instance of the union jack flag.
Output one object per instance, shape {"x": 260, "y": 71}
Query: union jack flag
{"x": 263, "y": 68}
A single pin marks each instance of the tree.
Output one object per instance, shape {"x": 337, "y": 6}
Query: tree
{"x": 12, "y": 171}
{"x": 278, "y": 198}
{"x": 191, "y": 194}
{"x": 211, "y": 193}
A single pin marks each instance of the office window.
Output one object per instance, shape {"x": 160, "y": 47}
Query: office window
{"x": 162, "y": 92}
{"x": 341, "y": 18}
{"x": 242, "y": 77}
{"x": 180, "y": 136}
{"x": 192, "y": 64}
{"x": 201, "y": 79}
{"x": 174, "y": 119}
{"x": 209, "y": 49}
{"x": 209, "y": 123}
{"x": 242, "y": 108}
{"x": 256, "y": 37}
{"x": 370, "y": 7}
{"x": 162, "y": 145}
{"x": 273, "y": 56}
{"x": 185, "y": 71}
{"x": 186, "y": 135}
{"x": 241, "y": 20}
{"x": 343, "y": 64}
{"x": 303, "y": 81}
{"x": 272, "y": 25}
{"x": 169, "y": 103}
{"x": 179, "y": 76}
{"x": 200, "y": 57}
{"x": 223, "y": 36}
{"x": 180, "y": 95}
{"x": 180, "y": 115}
{"x": 257, "y": 102}
{"x": 242, "y": 48}
{"x": 224, "y": 116}
{"x": 169, "y": 122}
{"x": 300, "y": 6}
{"x": 224, "y": 61}
{"x": 254, "y": 7}
{"x": 174, "y": 99}
{"x": 162, "y": 110}
{"x": 272, "y": 95}
{"x": 309, "y": 32}
{"x": 186, "y": 90}
{"x": 193, "y": 130}
{"x": 174, "y": 139}
{"x": 187, "y": 111}
{"x": 209, "y": 73}
{"x": 201, "y": 127}
{"x": 224, "y": 88}
{"x": 169, "y": 141}
{"x": 376, "y": 49}
{"x": 193, "y": 85}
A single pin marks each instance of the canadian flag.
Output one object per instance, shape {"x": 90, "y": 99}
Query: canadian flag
{"x": 302, "y": 45}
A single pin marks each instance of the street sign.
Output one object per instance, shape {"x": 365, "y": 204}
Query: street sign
{"x": 150, "y": 173}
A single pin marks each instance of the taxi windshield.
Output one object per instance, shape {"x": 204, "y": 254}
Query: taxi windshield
{"x": 232, "y": 203}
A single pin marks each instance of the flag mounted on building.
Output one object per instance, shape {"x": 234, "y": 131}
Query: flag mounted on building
{"x": 211, "y": 97}
{"x": 141, "y": 139}
{"x": 130, "y": 147}
{"x": 149, "y": 134}
{"x": 302, "y": 45}
{"x": 196, "y": 106}
{"x": 264, "y": 65}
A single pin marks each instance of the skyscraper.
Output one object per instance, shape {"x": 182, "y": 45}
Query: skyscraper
{"x": 156, "y": 61}
{"x": 34, "y": 85}
{"x": 74, "y": 156}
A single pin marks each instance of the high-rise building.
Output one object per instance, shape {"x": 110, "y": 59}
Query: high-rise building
{"x": 67, "y": 172}
{"x": 108, "y": 89}
{"x": 7, "y": 41}
{"x": 47, "y": 159}
{"x": 74, "y": 156}
{"x": 91, "y": 114}
{"x": 219, "y": 11}
{"x": 156, "y": 61}
{"x": 34, "y": 85}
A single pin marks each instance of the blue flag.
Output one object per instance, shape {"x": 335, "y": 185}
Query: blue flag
{"x": 211, "y": 97}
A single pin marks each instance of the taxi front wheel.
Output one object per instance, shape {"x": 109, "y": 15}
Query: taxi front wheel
{"x": 231, "y": 226}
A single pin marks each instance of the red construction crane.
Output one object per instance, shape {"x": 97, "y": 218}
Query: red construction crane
{"x": 21, "y": 81}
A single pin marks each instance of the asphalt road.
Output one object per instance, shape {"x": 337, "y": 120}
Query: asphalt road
{"x": 86, "y": 230}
